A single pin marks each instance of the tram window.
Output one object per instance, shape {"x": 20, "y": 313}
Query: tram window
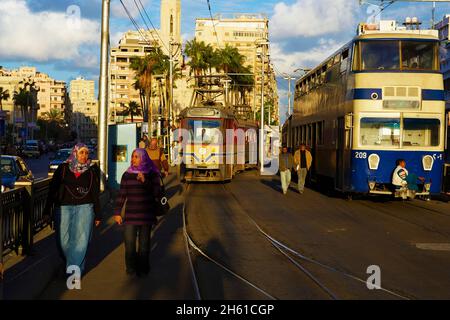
{"x": 380, "y": 55}
{"x": 337, "y": 59}
{"x": 345, "y": 54}
{"x": 419, "y": 55}
{"x": 380, "y": 132}
{"x": 421, "y": 132}
{"x": 206, "y": 131}
{"x": 320, "y": 133}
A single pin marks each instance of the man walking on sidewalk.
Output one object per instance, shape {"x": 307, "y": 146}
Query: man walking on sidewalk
{"x": 286, "y": 164}
{"x": 156, "y": 154}
{"x": 303, "y": 161}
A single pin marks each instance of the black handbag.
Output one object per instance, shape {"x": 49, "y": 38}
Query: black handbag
{"x": 161, "y": 201}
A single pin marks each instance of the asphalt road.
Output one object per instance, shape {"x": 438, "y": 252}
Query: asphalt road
{"x": 334, "y": 242}
{"x": 409, "y": 242}
{"x": 39, "y": 167}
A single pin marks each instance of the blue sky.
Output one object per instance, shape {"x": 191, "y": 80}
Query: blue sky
{"x": 61, "y": 37}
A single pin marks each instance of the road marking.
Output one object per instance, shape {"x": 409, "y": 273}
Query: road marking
{"x": 433, "y": 246}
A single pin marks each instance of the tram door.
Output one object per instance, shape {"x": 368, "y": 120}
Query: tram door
{"x": 343, "y": 156}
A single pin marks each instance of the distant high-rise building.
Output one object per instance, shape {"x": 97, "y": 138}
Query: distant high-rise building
{"x": 84, "y": 120}
{"x": 51, "y": 94}
{"x": 249, "y": 33}
{"x": 138, "y": 44}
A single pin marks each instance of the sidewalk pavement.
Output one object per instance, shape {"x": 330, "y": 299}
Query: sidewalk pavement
{"x": 105, "y": 278}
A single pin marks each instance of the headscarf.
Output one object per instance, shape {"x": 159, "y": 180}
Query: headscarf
{"x": 146, "y": 165}
{"x": 74, "y": 166}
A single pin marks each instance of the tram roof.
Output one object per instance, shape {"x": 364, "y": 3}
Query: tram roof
{"x": 382, "y": 35}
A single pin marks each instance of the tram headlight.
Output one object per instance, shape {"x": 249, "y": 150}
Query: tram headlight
{"x": 427, "y": 186}
{"x": 427, "y": 162}
{"x": 372, "y": 185}
{"x": 374, "y": 161}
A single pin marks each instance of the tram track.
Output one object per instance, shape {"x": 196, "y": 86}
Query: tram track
{"x": 295, "y": 258}
{"x": 388, "y": 213}
{"x": 300, "y": 256}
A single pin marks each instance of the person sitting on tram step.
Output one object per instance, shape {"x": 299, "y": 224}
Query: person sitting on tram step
{"x": 286, "y": 164}
{"x": 402, "y": 178}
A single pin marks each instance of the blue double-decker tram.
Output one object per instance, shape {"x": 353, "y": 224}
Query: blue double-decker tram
{"x": 378, "y": 99}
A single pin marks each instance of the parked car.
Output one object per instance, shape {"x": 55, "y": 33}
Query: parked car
{"x": 60, "y": 156}
{"x": 14, "y": 171}
{"x": 31, "y": 151}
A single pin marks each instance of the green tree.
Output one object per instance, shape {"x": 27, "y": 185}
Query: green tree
{"x": 198, "y": 53}
{"x": 4, "y": 95}
{"x": 53, "y": 115}
{"x": 133, "y": 109}
{"x": 144, "y": 68}
{"x": 22, "y": 99}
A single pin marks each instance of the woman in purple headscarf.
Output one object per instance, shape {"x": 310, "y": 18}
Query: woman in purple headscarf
{"x": 139, "y": 187}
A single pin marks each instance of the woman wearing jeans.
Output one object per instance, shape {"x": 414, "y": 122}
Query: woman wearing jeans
{"x": 139, "y": 186}
{"x": 75, "y": 190}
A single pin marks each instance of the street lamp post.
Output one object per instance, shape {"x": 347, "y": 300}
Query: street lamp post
{"x": 261, "y": 134}
{"x": 103, "y": 92}
{"x": 289, "y": 78}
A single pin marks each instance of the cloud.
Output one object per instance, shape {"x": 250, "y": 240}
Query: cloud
{"x": 44, "y": 36}
{"x": 118, "y": 10}
{"x": 310, "y": 18}
{"x": 286, "y": 62}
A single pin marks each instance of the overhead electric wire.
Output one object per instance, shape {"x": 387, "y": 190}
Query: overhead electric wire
{"x": 212, "y": 21}
{"x": 151, "y": 23}
{"x": 143, "y": 19}
{"x": 136, "y": 25}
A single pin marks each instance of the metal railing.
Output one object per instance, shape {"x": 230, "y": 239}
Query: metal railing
{"x": 23, "y": 216}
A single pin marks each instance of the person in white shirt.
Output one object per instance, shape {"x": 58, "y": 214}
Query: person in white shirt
{"x": 400, "y": 174}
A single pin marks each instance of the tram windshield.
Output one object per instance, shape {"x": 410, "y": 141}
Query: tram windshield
{"x": 386, "y": 132}
{"x": 205, "y": 131}
{"x": 421, "y": 132}
{"x": 408, "y": 55}
{"x": 380, "y": 132}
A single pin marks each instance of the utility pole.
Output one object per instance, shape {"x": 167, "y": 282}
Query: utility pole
{"x": 289, "y": 78}
{"x": 261, "y": 134}
{"x": 169, "y": 129}
{"x": 103, "y": 91}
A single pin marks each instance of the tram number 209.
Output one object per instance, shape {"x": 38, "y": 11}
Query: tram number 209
{"x": 360, "y": 155}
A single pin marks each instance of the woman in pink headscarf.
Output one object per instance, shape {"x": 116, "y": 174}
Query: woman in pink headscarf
{"x": 74, "y": 192}
{"x": 139, "y": 187}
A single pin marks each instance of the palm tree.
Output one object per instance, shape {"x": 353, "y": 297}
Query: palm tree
{"x": 4, "y": 95}
{"x": 54, "y": 115}
{"x": 198, "y": 54}
{"x": 143, "y": 68}
{"x": 134, "y": 109}
{"x": 22, "y": 99}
